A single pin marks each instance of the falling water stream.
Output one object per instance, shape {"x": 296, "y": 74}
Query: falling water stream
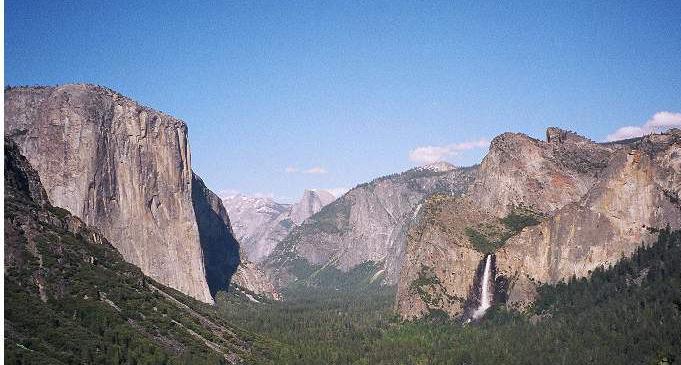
{"x": 486, "y": 295}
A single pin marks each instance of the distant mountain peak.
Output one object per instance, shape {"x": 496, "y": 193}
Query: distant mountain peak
{"x": 260, "y": 222}
{"x": 438, "y": 166}
{"x": 311, "y": 202}
{"x": 320, "y": 192}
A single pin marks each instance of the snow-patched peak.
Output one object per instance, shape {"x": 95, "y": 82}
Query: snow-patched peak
{"x": 439, "y": 166}
{"x": 259, "y": 223}
{"x": 239, "y": 204}
{"x": 247, "y": 212}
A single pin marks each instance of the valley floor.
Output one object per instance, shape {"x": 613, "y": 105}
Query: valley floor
{"x": 629, "y": 313}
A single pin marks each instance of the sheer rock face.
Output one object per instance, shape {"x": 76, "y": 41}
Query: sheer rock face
{"x": 45, "y": 248}
{"x": 21, "y": 180}
{"x": 638, "y": 190}
{"x": 439, "y": 252}
{"x": 258, "y": 223}
{"x": 121, "y": 167}
{"x": 261, "y": 223}
{"x": 367, "y": 224}
{"x": 597, "y": 201}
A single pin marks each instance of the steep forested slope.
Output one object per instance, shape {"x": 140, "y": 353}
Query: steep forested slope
{"x": 71, "y": 298}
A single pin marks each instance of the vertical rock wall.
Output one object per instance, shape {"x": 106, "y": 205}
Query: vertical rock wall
{"x": 597, "y": 203}
{"x": 220, "y": 248}
{"x": 121, "y": 167}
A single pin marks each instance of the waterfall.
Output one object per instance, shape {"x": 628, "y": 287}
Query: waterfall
{"x": 486, "y": 296}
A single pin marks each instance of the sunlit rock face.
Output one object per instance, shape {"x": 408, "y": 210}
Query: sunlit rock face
{"x": 311, "y": 202}
{"x": 260, "y": 223}
{"x": 638, "y": 190}
{"x": 121, "y": 167}
{"x": 250, "y": 277}
{"x": 440, "y": 263}
{"x": 542, "y": 175}
{"x": 367, "y": 224}
{"x": 596, "y": 203}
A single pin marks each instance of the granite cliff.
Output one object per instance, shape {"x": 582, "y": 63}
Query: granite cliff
{"x": 366, "y": 225}
{"x": 71, "y": 298}
{"x": 546, "y": 210}
{"x": 126, "y": 169}
{"x": 311, "y": 202}
{"x": 636, "y": 194}
{"x": 251, "y": 279}
{"x": 260, "y": 223}
{"x": 541, "y": 175}
{"x": 220, "y": 248}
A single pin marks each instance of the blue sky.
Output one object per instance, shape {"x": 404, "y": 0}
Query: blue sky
{"x": 282, "y": 96}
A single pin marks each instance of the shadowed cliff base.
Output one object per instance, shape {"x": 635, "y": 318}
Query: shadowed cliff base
{"x": 220, "y": 248}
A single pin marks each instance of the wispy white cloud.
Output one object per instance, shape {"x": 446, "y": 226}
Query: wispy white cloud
{"x": 317, "y": 170}
{"x": 430, "y": 154}
{"x": 660, "y": 121}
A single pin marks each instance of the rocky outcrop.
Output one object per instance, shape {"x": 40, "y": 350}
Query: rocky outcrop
{"x": 543, "y": 176}
{"x": 251, "y": 279}
{"x": 22, "y": 183}
{"x": 258, "y": 223}
{"x": 121, "y": 167}
{"x": 439, "y": 166}
{"x": 548, "y": 210}
{"x": 367, "y": 224}
{"x": 439, "y": 258}
{"x": 261, "y": 223}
